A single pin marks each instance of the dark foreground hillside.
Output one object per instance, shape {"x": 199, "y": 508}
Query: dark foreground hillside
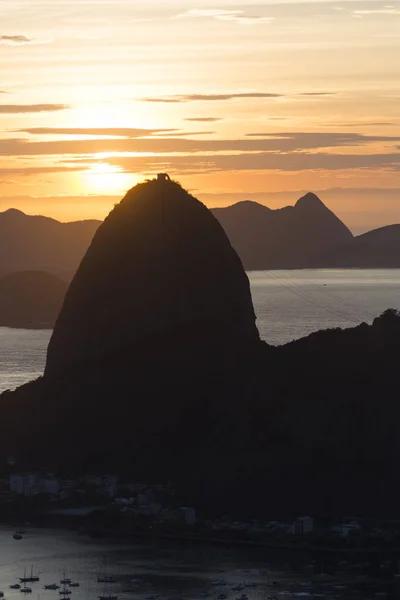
{"x": 170, "y": 381}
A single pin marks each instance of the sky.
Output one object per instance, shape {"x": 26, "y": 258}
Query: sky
{"x": 236, "y": 100}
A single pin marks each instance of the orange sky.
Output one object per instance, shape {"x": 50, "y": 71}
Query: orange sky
{"x": 260, "y": 100}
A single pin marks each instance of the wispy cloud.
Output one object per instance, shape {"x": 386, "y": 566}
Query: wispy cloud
{"x": 22, "y": 40}
{"x": 318, "y": 94}
{"x": 290, "y": 143}
{"x": 14, "y": 39}
{"x": 204, "y": 119}
{"x": 233, "y": 96}
{"x": 384, "y": 10}
{"x": 9, "y": 109}
{"x": 211, "y": 97}
{"x": 5, "y": 172}
{"x": 264, "y": 161}
{"x": 123, "y": 132}
{"x": 237, "y": 16}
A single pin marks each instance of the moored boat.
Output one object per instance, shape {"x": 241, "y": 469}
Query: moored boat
{"x": 51, "y": 586}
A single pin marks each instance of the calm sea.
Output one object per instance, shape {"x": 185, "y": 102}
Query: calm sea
{"x": 288, "y": 304}
{"x": 170, "y": 570}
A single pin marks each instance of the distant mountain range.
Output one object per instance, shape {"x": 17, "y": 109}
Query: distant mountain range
{"x": 306, "y": 235}
{"x": 36, "y": 243}
{"x": 30, "y": 299}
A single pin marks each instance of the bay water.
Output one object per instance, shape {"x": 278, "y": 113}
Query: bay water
{"x": 288, "y": 305}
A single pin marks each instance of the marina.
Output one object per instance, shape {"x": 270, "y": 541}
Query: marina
{"x": 67, "y": 565}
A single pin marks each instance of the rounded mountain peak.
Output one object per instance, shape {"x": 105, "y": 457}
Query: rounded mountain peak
{"x": 309, "y": 200}
{"x": 159, "y": 265}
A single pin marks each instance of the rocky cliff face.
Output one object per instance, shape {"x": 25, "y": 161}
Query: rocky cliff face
{"x": 159, "y": 264}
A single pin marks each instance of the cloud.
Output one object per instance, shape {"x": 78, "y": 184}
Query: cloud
{"x": 9, "y": 109}
{"x": 38, "y": 170}
{"x": 204, "y": 119}
{"x": 385, "y": 10}
{"x": 123, "y": 132}
{"x": 365, "y": 124}
{"x": 318, "y": 94}
{"x": 285, "y": 142}
{"x": 238, "y": 16}
{"x": 212, "y": 97}
{"x": 234, "y": 96}
{"x": 265, "y": 161}
{"x": 185, "y": 134}
{"x": 14, "y": 39}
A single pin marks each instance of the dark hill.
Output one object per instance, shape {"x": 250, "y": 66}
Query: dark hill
{"x": 159, "y": 263}
{"x": 150, "y": 350}
{"x": 376, "y": 249}
{"x": 36, "y": 243}
{"x": 287, "y": 238}
{"x": 30, "y": 299}
{"x": 306, "y": 235}
{"x": 155, "y": 370}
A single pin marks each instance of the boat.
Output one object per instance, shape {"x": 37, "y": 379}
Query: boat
{"x": 15, "y": 586}
{"x": 106, "y": 595}
{"x": 1, "y": 594}
{"x": 65, "y": 591}
{"x": 104, "y": 578}
{"x": 74, "y": 584}
{"x": 31, "y": 579}
{"x": 51, "y": 586}
{"x": 17, "y": 536}
{"x": 26, "y": 590}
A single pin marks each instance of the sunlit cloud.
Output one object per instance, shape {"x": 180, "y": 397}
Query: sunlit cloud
{"x": 123, "y": 132}
{"x": 285, "y": 142}
{"x": 204, "y": 119}
{"x": 233, "y": 96}
{"x": 9, "y": 109}
{"x": 237, "y": 16}
{"x": 385, "y": 10}
{"x": 14, "y": 39}
{"x": 211, "y": 97}
{"x": 27, "y": 171}
{"x": 263, "y": 161}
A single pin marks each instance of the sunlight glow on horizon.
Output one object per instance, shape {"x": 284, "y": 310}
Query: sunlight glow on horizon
{"x": 321, "y": 77}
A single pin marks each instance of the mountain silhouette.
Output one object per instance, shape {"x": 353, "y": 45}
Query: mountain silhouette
{"x": 30, "y": 299}
{"x": 36, "y": 243}
{"x": 307, "y": 235}
{"x": 156, "y": 371}
{"x": 376, "y": 249}
{"x": 288, "y": 238}
{"x": 160, "y": 262}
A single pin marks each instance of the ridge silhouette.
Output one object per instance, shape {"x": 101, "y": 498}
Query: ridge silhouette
{"x": 238, "y": 426}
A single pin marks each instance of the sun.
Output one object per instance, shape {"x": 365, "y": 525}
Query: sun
{"x": 106, "y": 179}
